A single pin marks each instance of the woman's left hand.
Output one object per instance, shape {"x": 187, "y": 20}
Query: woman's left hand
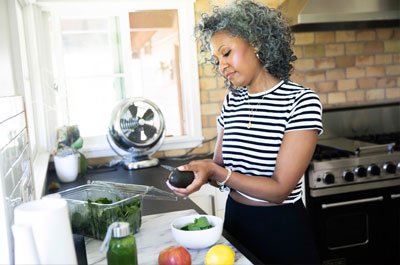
{"x": 202, "y": 169}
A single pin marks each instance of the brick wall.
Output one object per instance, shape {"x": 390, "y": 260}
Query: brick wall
{"x": 344, "y": 67}
{"x": 350, "y": 67}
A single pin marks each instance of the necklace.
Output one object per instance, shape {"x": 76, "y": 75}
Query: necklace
{"x": 252, "y": 111}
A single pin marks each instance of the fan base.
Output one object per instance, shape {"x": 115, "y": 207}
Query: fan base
{"x": 150, "y": 162}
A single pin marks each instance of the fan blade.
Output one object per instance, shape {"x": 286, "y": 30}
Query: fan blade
{"x": 134, "y": 135}
{"x": 133, "y": 110}
{"x": 149, "y": 130}
{"x": 148, "y": 115}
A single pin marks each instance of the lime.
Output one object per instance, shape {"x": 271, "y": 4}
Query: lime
{"x": 220, "y": 255}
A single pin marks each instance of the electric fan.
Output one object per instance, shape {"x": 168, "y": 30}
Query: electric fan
{"x": 136, "y": 131}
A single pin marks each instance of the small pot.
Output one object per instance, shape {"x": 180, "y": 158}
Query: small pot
{"x": 67, "y": 167}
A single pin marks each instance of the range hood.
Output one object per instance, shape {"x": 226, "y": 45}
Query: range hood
{"x": 305, "y": 15}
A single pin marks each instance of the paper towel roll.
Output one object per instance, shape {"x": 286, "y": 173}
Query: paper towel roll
{"x": 25, "y": 247}
{"x": 51, "y": 229}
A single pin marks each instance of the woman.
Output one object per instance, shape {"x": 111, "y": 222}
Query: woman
{"x": 268, "y": 130}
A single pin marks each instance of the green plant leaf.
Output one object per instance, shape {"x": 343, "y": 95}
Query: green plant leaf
{"x": 78, "y": 143}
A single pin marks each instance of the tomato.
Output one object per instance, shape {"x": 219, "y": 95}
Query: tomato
{"x": 174, "y": 255}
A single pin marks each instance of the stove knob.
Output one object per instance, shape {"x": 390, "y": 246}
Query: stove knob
{"x": 361, "y": 171}
{"x": 374, "y": 170}
{"x": 328, "y": 178}
{"x": 389, "y": 167}
{"x": 348, "y": 176}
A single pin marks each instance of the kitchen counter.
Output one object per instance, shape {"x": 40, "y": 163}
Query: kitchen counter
{"x": 154, "y": 176}
{"x": 156, "y": 228}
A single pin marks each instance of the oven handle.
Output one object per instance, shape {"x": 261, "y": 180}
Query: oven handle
{"x": 338, "y": 204}
{"x": 394, "y": 196}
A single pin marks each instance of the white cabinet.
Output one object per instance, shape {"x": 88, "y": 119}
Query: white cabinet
{"x": 210, "y": 200}
{"x": 205, "y": 198}
{"x": 220, "y": 202}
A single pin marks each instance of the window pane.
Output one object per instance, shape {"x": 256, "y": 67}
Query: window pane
{"x": 76, "y": 24}
{"x": 87, "y": 46}
{"x": 155, "y": 63}
{"x": 92, "y": 67}
{"x": 105, "y": 62}
{"x": 90, "y": 103}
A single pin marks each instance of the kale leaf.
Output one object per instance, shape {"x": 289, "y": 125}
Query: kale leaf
{"x": 200, "y": 223}
{"x": 93, "y": 218}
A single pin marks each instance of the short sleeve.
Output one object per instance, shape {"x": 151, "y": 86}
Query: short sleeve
{"x": 220, "y": 118}
{"x": 306, "y": 113}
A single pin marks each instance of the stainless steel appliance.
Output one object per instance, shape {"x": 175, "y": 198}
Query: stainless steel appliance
{"x": 353, "y": 186}
{"x": 305, "y": 15}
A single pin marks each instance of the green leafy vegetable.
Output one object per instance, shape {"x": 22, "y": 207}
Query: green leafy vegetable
{"x": 93, "y": 218}
{"x": 103, "y": 201}
{"x": 200, "y": 223}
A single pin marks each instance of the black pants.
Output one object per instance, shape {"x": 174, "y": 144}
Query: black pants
{"x": 276, "y": 234}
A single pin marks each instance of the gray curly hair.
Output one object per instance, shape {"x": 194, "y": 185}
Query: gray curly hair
{"x": 264, "y": 28}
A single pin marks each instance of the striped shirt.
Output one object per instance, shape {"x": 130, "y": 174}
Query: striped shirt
{"x": 253, "y": 151}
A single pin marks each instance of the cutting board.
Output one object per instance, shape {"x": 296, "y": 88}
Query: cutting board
{"x": 155, "y": 235}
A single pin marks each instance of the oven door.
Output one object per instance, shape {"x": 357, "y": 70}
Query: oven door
{"x": 392, "y": 223}
{"x": 351, "y": 228}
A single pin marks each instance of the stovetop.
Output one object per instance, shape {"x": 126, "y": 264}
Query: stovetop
{"x": 385, "y": 138}
{"x": 323, "y": 152}
{"x": 337, "y": 170}
{"x": 359, "y": 150}
{"x": 340, "y": 147}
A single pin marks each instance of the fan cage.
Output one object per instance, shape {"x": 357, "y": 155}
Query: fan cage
{"x": 134, "y": 133}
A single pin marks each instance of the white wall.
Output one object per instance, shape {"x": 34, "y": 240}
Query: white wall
{"x": 7, "y": 85}
{"x": 7, "y": 88}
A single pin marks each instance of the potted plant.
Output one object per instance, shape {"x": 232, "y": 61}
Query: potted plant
{"x": 68, "y": 161}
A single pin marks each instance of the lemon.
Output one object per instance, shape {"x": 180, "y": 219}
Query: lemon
{"x": 220, "y": 255}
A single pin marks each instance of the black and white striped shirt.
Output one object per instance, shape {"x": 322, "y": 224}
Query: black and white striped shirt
{"x": 253, "y": 151}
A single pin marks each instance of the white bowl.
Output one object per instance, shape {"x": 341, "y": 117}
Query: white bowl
{"x": 199, "y": 238}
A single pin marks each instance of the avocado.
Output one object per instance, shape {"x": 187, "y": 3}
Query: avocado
{"x": 180, "y": 179}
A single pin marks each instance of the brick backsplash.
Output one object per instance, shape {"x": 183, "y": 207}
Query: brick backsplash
{"x": 349, "y": 67}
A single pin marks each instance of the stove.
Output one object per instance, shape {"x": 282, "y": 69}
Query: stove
{"x": 352, "y": 162}
{"x": 352, "y": 186}
{"x": 334, "y": 170}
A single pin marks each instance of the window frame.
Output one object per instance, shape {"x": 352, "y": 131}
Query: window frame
{"x": 26, "y": 60}
{"x": 98, "y": 146}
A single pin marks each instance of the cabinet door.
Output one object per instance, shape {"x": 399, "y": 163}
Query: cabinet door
{"x": 205, "y": 198}
{"x": 220, "y": 202}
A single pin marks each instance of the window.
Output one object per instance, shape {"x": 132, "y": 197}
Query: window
{"x": 120, "y": 50}
{"x": 23, "y": 83}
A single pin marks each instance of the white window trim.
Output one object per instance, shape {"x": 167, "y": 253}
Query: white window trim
{"x": 28, "y": 82}
{"x": 98, "y": 146}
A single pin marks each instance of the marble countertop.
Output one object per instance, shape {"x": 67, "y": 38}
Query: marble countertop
{"x": 159, "y": 209}
{"x": 155, "y": 235}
